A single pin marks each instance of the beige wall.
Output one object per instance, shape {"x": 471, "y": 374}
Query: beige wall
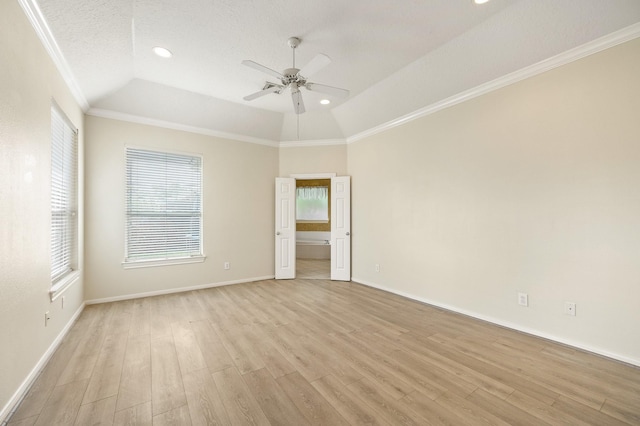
{"x": 313, "y": 159}
{"x": 28, "y": 83}
{"x": 238, "y": 210}
{"x": 533, "y": 188}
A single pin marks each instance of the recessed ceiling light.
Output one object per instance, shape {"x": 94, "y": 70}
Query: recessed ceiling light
{"x": 325, "y": 102}
{"x": 162, "y": 52}
{"x": 480, "y": 1}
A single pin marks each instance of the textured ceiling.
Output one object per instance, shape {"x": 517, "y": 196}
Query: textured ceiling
{"x": 395, "y": 57}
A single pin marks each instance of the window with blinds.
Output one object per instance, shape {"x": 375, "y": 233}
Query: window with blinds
{"x": 163, "y": 206}
{"x": 64, "y": 196}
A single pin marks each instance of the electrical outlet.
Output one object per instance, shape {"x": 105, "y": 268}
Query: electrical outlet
{"x": 570, "y": 308}
{"x": 523, "y": 299}
{"x": 377, "y": 267}
{"x": 47, "y": 317}
{"x": 227, "y": 265}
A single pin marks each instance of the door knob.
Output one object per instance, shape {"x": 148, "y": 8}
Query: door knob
{"x": 278, "y": 233}
{"x": 347, "y": 234}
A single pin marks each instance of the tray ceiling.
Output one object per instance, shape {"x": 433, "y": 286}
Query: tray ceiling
{"x": 395, "y": 57}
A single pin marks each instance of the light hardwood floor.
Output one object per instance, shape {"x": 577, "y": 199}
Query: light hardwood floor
{"x": 313, "y": 269}
{"x": 316, "y": 352}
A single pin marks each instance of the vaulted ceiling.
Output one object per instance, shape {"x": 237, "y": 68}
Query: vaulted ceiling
{"x": 395, "y": 57}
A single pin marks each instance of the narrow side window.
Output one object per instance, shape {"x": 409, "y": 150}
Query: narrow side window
{"x": 64, "y": 197}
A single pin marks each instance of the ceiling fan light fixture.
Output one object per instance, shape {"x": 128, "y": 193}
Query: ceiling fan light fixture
{"x": 162, "y": 52}
{"x": 295, "y": 78}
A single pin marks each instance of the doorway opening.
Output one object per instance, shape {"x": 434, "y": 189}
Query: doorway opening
{"x": 339, "y": 224}
{"x": 313, "y": 229}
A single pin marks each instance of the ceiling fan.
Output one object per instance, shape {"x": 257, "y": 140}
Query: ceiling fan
{"x": 295, "y": 78}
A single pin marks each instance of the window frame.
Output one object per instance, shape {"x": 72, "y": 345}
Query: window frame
{"x": 128, "y": 263}
{"x": 70, "y": 227}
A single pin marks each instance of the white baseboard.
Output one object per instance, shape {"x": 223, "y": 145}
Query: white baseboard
{"x": 174, "y": 290}
{"x": 20, "y": 393}
{"x": 513, "y": 326}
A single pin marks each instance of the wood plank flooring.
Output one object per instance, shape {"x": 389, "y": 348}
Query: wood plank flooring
{"x": 316, "y": 352}
{"x": 313, "y": 269}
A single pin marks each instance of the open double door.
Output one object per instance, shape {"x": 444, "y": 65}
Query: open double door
{"x": 340, "y": 228}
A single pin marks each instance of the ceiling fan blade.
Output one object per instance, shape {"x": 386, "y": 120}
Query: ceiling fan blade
{"x": 262, "y": 68}
{"x": 329, "y": 90}
{"x": 296, "y": 95}
{"x": 316, "y": 64}
{"x": 261, "y": 93}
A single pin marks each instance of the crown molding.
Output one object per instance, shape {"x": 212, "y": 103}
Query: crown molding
{"x": 312, "y": 142}
{"x": 114, "y": 115}
{"x": 618, "y": 37}
{"x": 39, "y": 24}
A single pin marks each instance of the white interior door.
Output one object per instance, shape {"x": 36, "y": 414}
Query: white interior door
{"x": 341, "y": 228}
{"x": 285, "y": 228}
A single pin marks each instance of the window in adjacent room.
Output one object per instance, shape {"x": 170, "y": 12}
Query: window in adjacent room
{"x": 163, "y": 208}
{"x": 64, "y": 201}
{"x": 312, "y": 204}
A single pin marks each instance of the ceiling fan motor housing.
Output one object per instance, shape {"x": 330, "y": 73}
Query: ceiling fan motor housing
{"x": 291, "y": 76}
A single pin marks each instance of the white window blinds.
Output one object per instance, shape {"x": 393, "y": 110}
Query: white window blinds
{"x": 64, "y": 160}
{"x": 164, "y": 206}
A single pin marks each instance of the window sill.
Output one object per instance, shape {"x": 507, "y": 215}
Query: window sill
{"x": 163, "y": 262}
{"x": 61, "y": 286}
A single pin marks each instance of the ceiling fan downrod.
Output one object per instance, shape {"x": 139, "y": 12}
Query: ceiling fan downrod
{"x": 294, "y": 42}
